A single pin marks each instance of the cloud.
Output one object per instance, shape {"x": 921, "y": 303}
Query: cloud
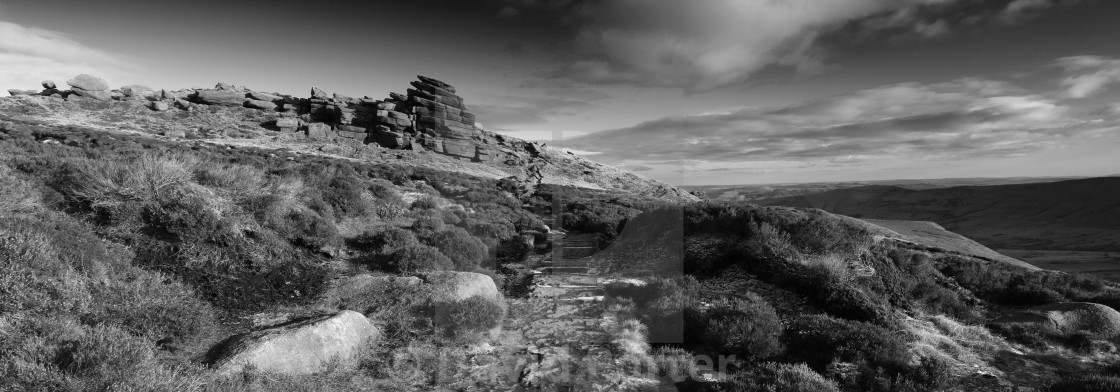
{"x": 1086, "y": 75}
{"x": 910, "y": 121}
{"x": 530, "y": 105}
{"x": 707, "y": 44}
{"x": 29, "y": 55}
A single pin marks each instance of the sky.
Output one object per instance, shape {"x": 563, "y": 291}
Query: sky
{"x": 696, "y": 92}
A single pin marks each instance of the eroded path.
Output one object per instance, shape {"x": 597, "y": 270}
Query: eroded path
{"x": 558, "y": 337}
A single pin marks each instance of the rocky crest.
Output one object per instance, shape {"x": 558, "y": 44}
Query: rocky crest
{"x": 429, "y": 117}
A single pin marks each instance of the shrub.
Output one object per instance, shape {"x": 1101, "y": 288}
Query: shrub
{"x": 468, "y": 318}
{"x": 385, "y": 241}
{"x": 466, "y": 251}
{"x": 425, "y": 203}
{"x": 820, "y": 339}
{"x": 748, "y": 327}
{"x": 418, "y": 257}
{"x": 1087, "y": 383}
{"x": 780, "y": 377}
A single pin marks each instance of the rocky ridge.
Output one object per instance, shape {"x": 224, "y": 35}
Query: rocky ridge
{"x": 429, "y": 118}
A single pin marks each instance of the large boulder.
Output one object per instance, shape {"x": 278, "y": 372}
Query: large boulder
{"x": 221, "y": 97}
{"x": 49, "y": 85}
{"x": 451, "y": 286}
{"x": 1096, "y": 320}
{"x": 88, "y": 83}
{"x": 301, "y": 347}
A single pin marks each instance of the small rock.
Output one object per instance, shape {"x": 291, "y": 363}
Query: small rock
{"x": 175, "y": 133}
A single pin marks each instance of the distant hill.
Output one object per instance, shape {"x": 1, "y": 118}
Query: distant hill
{"x": 770, "y": 191}
{"x": 1081, "y": 214}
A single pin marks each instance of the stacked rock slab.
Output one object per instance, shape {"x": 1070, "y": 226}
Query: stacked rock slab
{"x": 430, "y": 116}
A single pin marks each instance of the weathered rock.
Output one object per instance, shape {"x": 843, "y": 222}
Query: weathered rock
{"x": 1096, "y": 320}
{"x": 258, "y": 104}
{"x": 303, "y": 347}
{"x": 221, "y": 97}
{"x": 159, "y": 106}
{"x": 16, "y": 91}
{"x": 88, "y": 83}
{"x": 137, "y": 91}
{"x": 168, "y": 94}
{"x": 451, "y": 286}
{"x": 103, "y": 95}
{"x": 318, "y": 130}
{"x": 225, "y": 86}
{"x": 319, "y": 93}
{"x": 49, "y": 85}
{"x": 287, "y": 124}
{"x": 265, "y": 97}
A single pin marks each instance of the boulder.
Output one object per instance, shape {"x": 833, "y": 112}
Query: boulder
{"x": 221, "y": 97}
{"x": 168, "y": 94}
{"x": 88, "y": 83}
{"x": 103, "y": 95}
{"x": 265, "y": 97}
{"x": 258, "y": 104}
{"x": 137, "y": 91}
{"x": 318, "y": 130}
{"x": 451, "y": 286}
{"x": 287, "y": 124}
{"x": 1096, "y": 320}
{"x": 49, "y": 85}
{"x": 225, "y": 86}
{"x": 16, "y": 91}
{"x": 302, "y": 347}
{"x": 319, "y": 93}
{"x": 160, "y": 106}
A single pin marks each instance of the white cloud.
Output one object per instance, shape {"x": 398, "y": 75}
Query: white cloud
{"x": 910, "y": 121}
{"x": 1087, "y": 75}
{"x": 29, "y": 55}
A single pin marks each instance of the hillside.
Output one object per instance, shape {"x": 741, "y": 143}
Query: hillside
{"x": 773, "y": 191}
{"x": 1071, "y": 215}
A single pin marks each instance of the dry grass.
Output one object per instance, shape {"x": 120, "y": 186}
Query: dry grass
{"x": 944, "y": 338}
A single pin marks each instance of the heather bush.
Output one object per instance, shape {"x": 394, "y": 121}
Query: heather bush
{"x": 819, "y": 340}
{"x": 781, "y": 377}
{"x": 1087, "y": 383}
{"x": 466, "y": 251}
{"x": 418, "y": 257}
{"x": 748, "y": 327}
{"x": 469, "y": 318}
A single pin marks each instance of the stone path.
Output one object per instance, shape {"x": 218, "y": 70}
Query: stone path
{"x": 557, "y": 337}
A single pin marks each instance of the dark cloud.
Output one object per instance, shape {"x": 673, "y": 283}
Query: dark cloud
{"x": 963, "y": 118}
{"x": 701, "y": 45}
